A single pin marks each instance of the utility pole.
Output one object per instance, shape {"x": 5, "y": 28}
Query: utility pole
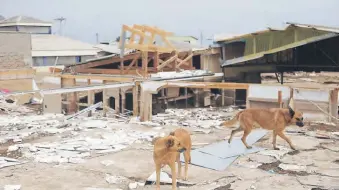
{"x": 97, "y": 37}
{"x": 60, "y": 19}
{"x": 201, "y": 38}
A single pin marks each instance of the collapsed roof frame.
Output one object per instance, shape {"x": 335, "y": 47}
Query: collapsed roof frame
{"x": 165, "y": 57}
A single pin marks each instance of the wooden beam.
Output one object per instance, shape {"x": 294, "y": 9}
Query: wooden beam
{"x": 207, "y": 85}
{"x": 96, "y": 77}
{"x": 104, "y": 100}
{"x": 135, "y": 60}
{"x": 167, "y": 62}
{"x": 71, "y": 97}
{"x": 149, "y": 48}
{"x": 144, "y": 57}
{"x": 156, "y": 61}
{"x": 152, "y": 30}
{"x": 184, "y": 61}
{"x": 90, "y": 97}
{"x": 136, "y": 99}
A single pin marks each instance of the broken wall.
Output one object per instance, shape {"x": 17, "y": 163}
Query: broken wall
{"x": 15, "y": 50}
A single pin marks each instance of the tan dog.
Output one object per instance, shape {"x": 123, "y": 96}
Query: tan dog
{"x": 167, "y": 150}
{"x": 276, "y": 119}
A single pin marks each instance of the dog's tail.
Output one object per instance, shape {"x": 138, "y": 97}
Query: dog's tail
{"x": 231, "y": 122}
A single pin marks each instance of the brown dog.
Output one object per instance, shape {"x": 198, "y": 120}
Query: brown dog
{"x": 276, "y": 119}
{"x": 167, "y": 150}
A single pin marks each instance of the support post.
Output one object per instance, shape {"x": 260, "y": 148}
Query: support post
{"x": 144, "y": 56}
{"x": 186, "y": 97}
{"x": 71, "y": 97}
{"x": 117, "y": 102}
{"x": 90, "y": 97}
{"x": 223, "y": 95}
{"x": 122, "y": 66}
{"x": 104, "y": 100}
{"x": 136, "y": 99}
{"x": 333, "y": 108}
{"x": 196, "y": 98}
{"x": 282, "y": 78}
{"x": 156, "y": 61}
{"x": 123, "y": 100}
{"x": 280, "y": 98}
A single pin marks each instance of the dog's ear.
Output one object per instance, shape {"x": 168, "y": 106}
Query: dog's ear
{"x": 171, "y": 133}
{"x": 169, "y": 142}
{"x": 291, "y": 111}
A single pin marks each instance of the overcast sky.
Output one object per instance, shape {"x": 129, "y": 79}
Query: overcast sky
{"x": 85, "y": 18}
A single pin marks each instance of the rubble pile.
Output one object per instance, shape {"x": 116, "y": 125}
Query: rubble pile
{"x": 74, "y": 150}
{"x": 8, "y": 106}
{"x": 199, "y": 118}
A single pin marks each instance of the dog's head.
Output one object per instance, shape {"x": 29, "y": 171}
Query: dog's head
{"x": 173, "y": 144}
{"x": 296, "y": 117}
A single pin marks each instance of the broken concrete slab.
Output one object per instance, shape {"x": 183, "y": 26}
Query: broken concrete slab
{"x": 164, "y": 178}
{"x": 333, "y": 146}
{"x": 293, "y": 167}
{"x": 277, "y": 154}
{"x": 264, "y": 159}
{"x": 319, "y": 181}
{"x": 6, "y": 162}
{"x": 115, "y": 179}
{"x": 12, "y": 187}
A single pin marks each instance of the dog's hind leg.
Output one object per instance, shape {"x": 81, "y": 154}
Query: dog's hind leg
{"x": 179, "y": 165}
{"x": 247, "y": 131}
{"x": 275, "y": 140}
{"x": 234, "y": 132}
{"x": 187, "y": 159}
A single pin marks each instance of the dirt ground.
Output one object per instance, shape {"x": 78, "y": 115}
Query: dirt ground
{"x": 100, "y": 153}
{"x": 314, "y": 165}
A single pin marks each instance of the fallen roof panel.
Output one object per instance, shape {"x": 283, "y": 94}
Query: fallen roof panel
{"x": 282, "y": 48}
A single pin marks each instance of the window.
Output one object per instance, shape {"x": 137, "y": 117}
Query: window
{"x": 78, "y": 59}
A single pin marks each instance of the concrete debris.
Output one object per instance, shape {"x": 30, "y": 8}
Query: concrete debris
{"x": 133, "y": 185}
{"x": 107, "y": 162}
{"x": 115, "y": 179}
{"x": 193, "y": 118}
{"x": 6, "y": 162}
{"x": 264, "y": 159}
{"x": 319, "y": 181}
{"x": 164, "y": 177}
{"x": 292, "y": 167}
{"x": 277, "y": 154}
{"x": 10, "y": 107}
{"x": 12, "y": 187}
{"x": 333, "y": 146}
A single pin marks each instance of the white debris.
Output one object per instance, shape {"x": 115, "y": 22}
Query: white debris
{"x": 278, "y": 154}
{"x": 133, "y": 185}
{"x": 6, "y": 162}
{"x": 76, "y": 160}
{"x": 292, "y": 167}
{"x": 164, "y": 177}
{"x": 13, "y": 148}
{"x": 12, "y": 187}
{"x": 107, "y": 162}
{"x": 94, "y": 124}
{"x": 115, "y": 179}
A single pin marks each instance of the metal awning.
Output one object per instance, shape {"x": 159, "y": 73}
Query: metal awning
{"x": 282, "y": 48}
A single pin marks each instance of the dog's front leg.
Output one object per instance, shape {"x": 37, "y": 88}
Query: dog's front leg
{"x": 179, "y": 165}
{"x": 275, "y": 140}
{"x": 157, "y": 171}
{"x": 283, "y": 136}
{"x": 174, "y": 176}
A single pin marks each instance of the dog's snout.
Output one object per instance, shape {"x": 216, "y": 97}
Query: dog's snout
{"x": 300, "y": 123}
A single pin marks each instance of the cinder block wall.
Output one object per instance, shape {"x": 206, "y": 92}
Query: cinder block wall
{"x": 15, "y": 50}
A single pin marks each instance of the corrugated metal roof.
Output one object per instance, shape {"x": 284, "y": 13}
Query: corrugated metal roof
{"x": 53, "y": 45}
{"x": 108, "y": 48}
{"x": 232, "y": 37}
{"x": 24, "y": 20}
{"x": 282, "y": 48}
{"x": 317, "y": 27}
